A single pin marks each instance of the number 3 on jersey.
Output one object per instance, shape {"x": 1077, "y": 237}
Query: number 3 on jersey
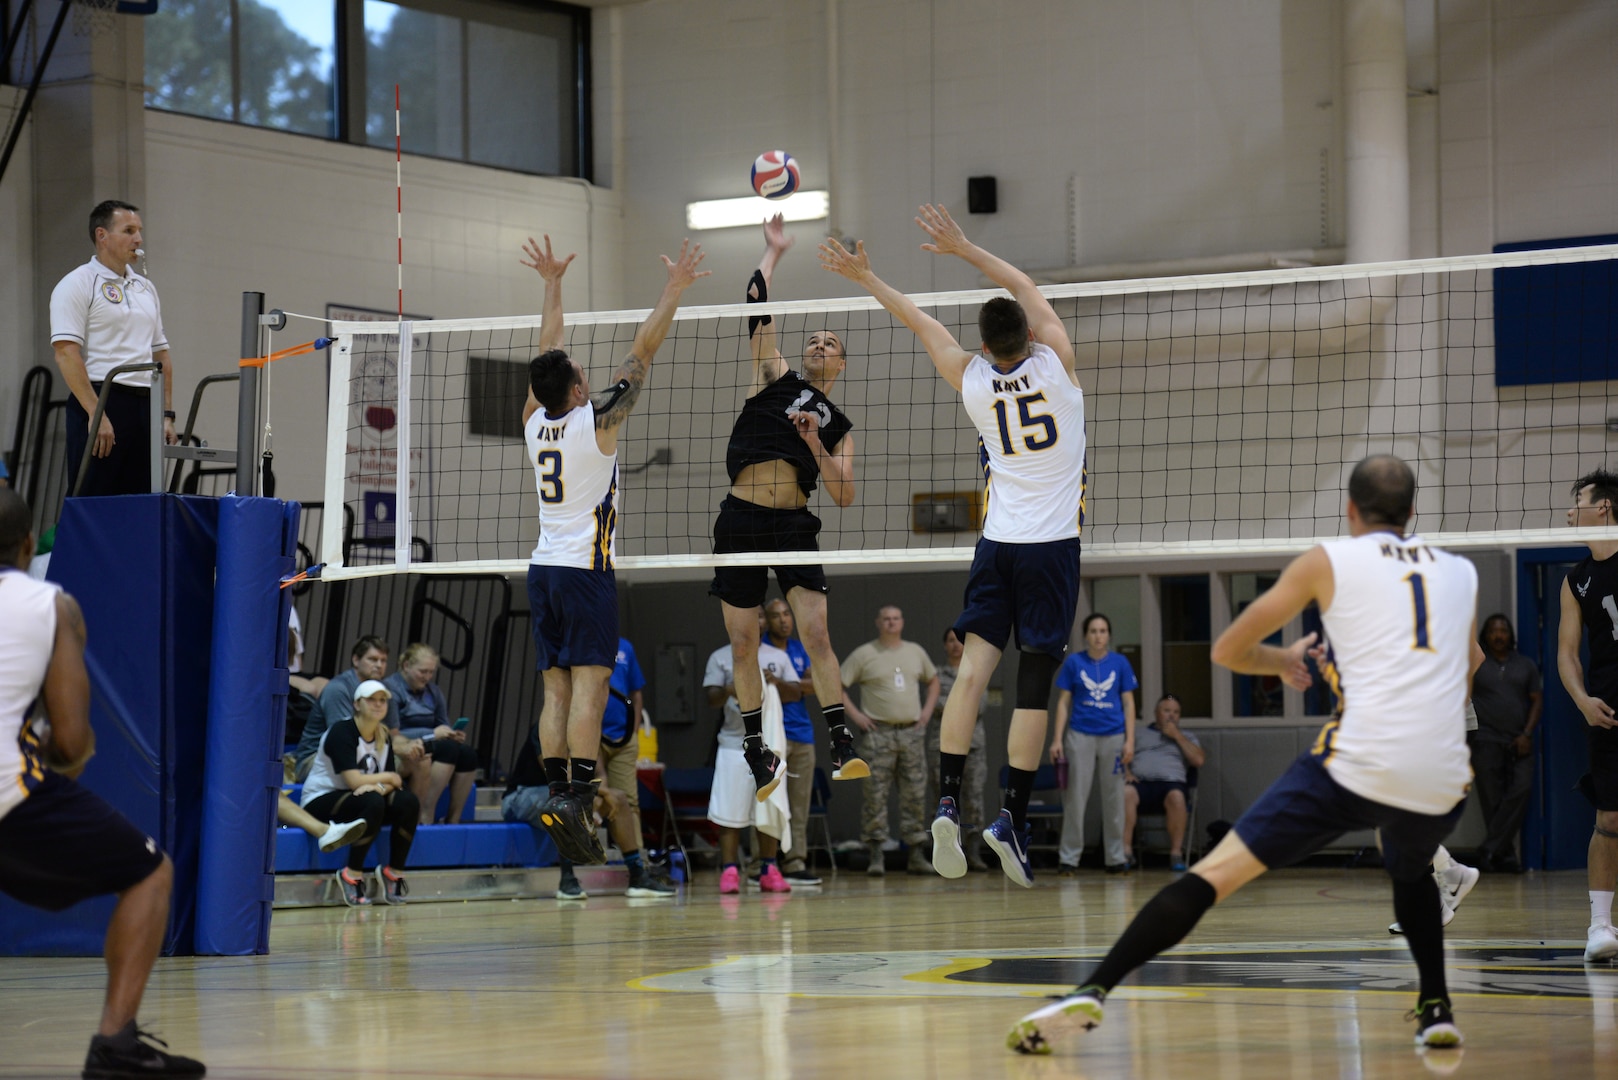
{"x": 1027, "y": 419}
{"x": 550, "y": 475}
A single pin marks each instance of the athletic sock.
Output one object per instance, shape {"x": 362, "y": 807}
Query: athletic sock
{"x": 1415, "y": 905}
{"x": 1163, "y": 923}
{"x": 584, "y": 778}
{"x": 1019, "y": 786}
{"x": 765, "y": 864}
{"x": 753, "y": 722}
{"x": 951, "y": 768}
{"x": 834, "y": 718}
{"x": 1600, "y": 908}
{"x": 632, "y": 860}
{"x": 556, "y": 774}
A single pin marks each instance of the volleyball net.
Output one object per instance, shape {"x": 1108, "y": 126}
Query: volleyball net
{"x": 1223, "y": 415}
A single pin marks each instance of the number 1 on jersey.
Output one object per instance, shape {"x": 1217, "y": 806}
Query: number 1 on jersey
{"x": 1418, "y": 600}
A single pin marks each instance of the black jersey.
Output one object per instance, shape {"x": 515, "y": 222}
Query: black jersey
{"x": 1595, "y": 586}
{"x": 764, "y": 430}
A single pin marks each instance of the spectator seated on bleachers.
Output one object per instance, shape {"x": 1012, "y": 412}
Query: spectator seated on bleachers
{"x": 424, "y": 715}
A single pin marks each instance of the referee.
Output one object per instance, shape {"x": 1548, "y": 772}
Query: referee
{"x": 103, "y": 314}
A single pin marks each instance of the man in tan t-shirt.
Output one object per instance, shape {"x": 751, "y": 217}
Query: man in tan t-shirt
{"x": 891, "y": 674}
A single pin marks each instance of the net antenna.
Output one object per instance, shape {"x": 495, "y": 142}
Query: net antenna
{"x": 1223, "y": 414}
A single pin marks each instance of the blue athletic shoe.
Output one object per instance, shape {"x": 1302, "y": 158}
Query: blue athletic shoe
{"x": 1002, "y": 838}
{"x": 948, "y": 858}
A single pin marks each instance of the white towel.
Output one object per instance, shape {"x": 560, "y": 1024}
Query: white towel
{"x": 774, "y": 815}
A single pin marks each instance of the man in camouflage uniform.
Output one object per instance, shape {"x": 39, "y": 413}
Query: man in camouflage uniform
{"x": 977, "y": 767}
{"x": 892, "y": 674}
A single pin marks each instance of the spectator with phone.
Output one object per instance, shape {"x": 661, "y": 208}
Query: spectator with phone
{"x": 424, "y": 714}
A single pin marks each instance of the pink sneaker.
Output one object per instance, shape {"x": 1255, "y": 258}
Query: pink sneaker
{"x": 772, "y": 881}
{"x": 730, "y": 880}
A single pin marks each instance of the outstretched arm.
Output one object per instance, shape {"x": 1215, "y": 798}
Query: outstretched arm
{"x": 949, "y": 239}
{"x": 551, "y": 269}
{"x": 948, "y": 356}
{"x": 631, "y": 374}
{"x": 767, "y": 362}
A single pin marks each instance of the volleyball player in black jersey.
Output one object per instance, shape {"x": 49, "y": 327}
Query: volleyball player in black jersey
{"x": 1588, "y": 603}
{"x": 788, "y": 436}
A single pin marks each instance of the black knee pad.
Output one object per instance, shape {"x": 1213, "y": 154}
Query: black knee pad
{"x": 1035, "y": 673}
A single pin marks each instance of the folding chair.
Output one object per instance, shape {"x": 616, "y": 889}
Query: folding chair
{"x": 819, "y": 796}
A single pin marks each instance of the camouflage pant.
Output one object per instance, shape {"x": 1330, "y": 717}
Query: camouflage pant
{"x": 895, "y": 752}
{"x": 972, "y": 779}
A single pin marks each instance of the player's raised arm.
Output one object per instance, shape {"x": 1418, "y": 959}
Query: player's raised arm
{"x": 949, "y": 239}
{"x": 762, "y": 339}
{"x": 631, "y": 375}
{"x": 948, "y": 356}
{"x": 1241, "y": 647}
{"x": 551, "y": 325}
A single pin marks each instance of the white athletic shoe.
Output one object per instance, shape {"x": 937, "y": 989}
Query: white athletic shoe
{"x": 948, "y": 858}
{"x": 1445, "y": 905}
{"x": 1601, "y": 944}
{"x": 1035, "y": 1033}
{"x": 340, "y": 833}
{"x": 1456, "y": 882}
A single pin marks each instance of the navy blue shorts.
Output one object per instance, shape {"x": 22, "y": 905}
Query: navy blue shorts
{"x": 743, "y": 527}
{"x": 64, "y": 843}
{"x": 1306, "y": 809}
{"x": 1030, "y": 588}
{"x": 1152, "y": 793}
{"x": 575, "y": 616}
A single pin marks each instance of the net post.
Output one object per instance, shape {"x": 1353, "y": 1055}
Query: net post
{"x": 331, "y": 528}
{"x": 247, "y": 397}
{"x": 401, "y": 499}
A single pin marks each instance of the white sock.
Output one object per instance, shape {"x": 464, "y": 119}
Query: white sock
{"x": 1441, "y": 860}
{"x": 1600, "y": 908}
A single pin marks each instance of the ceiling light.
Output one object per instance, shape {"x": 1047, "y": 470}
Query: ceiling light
{"x": 752, "y": 210}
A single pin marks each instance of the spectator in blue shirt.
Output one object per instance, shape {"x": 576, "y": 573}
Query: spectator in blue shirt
{"x": 620, "y": 728}
{"x": 800, "y": 745}
{"x": 1096, "y": 737}
{"x": 423, "y": 715}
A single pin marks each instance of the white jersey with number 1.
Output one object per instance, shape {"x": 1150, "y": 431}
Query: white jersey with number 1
{"x": 1400, "y": 635}
{"x": 1030, "y": 423}
{"x": 578, "y": 490}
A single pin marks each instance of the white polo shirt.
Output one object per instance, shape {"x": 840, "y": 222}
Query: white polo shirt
{"x": 115, "y": 320}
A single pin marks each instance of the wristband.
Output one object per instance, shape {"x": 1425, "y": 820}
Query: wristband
{"x": 168, "y": 414}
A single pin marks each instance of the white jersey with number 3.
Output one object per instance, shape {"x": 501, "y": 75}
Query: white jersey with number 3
{"x": 1400, "y": 635}
{"x": 1030, "y": 423}
{"x": 578, "y": 490}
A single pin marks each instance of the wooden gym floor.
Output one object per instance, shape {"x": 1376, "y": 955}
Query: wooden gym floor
{"x": 1294, "y": 977}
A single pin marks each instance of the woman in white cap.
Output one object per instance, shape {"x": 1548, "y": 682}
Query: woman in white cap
{"x": 355, "y": 776}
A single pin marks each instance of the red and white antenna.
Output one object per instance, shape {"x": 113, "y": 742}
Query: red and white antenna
{"x": 398, "y": 183}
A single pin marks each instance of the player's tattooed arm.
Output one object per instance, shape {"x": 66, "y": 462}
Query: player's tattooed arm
{"x": 626, "y": 388}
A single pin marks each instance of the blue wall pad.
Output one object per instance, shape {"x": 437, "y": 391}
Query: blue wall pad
{"x": 141, "y": 568}
{"x": 436, "y": 846}
{"x": 1556, "y": 323}
{"x": 246, "y": 720}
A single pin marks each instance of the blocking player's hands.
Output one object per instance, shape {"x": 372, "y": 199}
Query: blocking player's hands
{"x": 775, "y": 235}
{"x": 1296, "y": 672}
{"x": 548, "y": 265}
{"x": 948, "y": 237}
{"x": 683, "y": 270}
{"x": 1597, "y": 713}
{"x": 854, "y": 265}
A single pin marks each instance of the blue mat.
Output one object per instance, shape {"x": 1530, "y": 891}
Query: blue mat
{"x": 436, "y": 847}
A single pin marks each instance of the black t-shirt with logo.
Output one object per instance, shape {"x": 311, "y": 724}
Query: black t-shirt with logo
{"x": 1595, "y": 586}
{"x": 764, "y": 431}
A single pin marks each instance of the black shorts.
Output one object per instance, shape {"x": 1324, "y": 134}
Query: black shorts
{"x": 1306, "y": 809}
{"x": 1600, "y": 784}
{"x": 743, "y": 527}
{"x": 64, "y": 843}
{"x": 1030, "y": 588}
{"x": 1153, "y": 793}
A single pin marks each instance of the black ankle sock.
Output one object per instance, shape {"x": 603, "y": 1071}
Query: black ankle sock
{"x": 632, "y": 860}
{"x": 951, "y": 768}
{"x": 1164, "y": 922}
{"x": 584, "y": 779}
{"x": 1416, "y": 905}
{"x": 556, "y": 772}
{"x": 753, "y": 721}
{"x": 1019, "y": 786}
{"x": 835, "y": 719}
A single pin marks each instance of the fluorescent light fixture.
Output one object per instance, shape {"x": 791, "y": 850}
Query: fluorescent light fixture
{"x": 752, "y": 210}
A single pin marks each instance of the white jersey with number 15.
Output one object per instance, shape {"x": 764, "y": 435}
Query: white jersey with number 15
{"x": 1030, "y": 423}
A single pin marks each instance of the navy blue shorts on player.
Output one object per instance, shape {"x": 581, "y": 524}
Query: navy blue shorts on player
{"x": 1030, "y": 588}
{"x": 1306, "y": 809}
{"x": 64, "y": 843}
{"x": 575, "y": 616}
{"x": 743, "y": 527}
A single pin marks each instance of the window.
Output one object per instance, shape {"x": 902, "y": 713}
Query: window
{"x": 496, "y": 392}
{"x": 1118, "y": 599}
{"x": 1187, "y": 637}
{"x": 1255, "y": 695}
{"x": 491, "y": 83}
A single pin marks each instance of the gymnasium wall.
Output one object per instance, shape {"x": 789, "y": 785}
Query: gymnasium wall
{"x": 18, "y": 344}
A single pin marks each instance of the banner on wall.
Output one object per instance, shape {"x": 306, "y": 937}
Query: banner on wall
{"x": 372, "y": 472}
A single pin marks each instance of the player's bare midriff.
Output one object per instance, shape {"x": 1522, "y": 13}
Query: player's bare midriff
{"x": 770, "y": 483}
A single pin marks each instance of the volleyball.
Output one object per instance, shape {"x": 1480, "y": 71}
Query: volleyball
{"x": 775, "y": 174}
